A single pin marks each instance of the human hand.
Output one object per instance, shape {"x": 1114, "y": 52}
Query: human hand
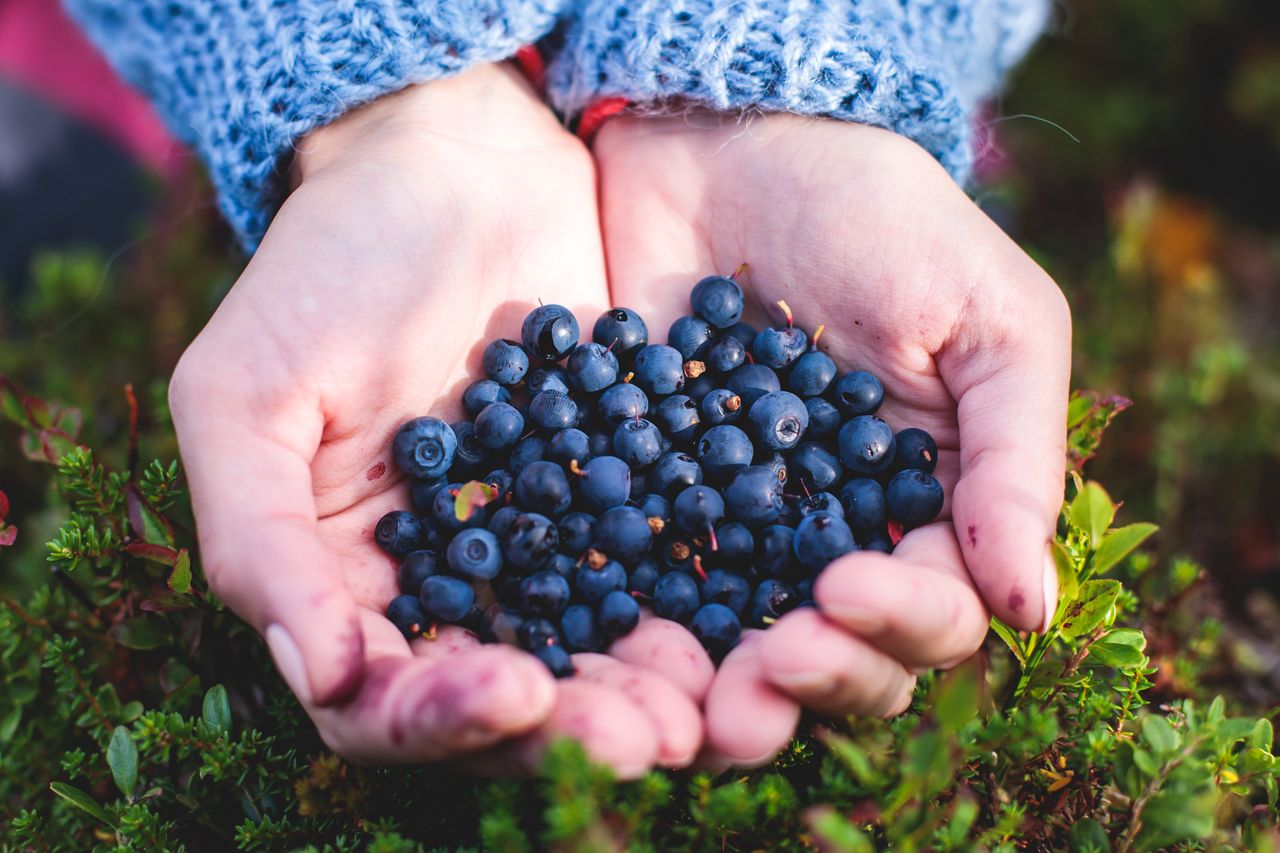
{"x": 422, "y": 226}
{"x": 860, "y": 229}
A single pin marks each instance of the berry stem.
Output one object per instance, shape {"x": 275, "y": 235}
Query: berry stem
{"x": 697, "y": 566}
{"x": 742, "y": 268}
{"x": 786, "y": 312}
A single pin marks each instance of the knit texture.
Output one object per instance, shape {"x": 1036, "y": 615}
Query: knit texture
{"x": 917, "y": 67}
{"x": 243, "y": 80}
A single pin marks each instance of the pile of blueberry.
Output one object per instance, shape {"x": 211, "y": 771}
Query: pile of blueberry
{"x": 710, "y": 479}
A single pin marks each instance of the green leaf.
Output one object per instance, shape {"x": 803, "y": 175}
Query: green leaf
{"x": 81, "y": 800}
{"x": 180, "y": 577}
{"x": 1144, "y": 762}
{"x": 1115, "y": 655}
{"x": 217, "y": 710}
{"x": 140, "y": 632}
{"x": 1068, "y": 577}
{"x": 1119, "y": 543}
{"x": 1126, "y": 637}
{"x": 1159, "y": 735}
{"x": 1087, "y": 836}
{"x": 122, "y": 758}
{"x": 1262, "y": 735}
{"x": 1090, "y": 608}
{"x": 955, "y": 699}
{"x": 1011, "y": 639}
{"x": 9, "y": 723}
{"x": 1079, "y": 408}
{"x": 147, "y": 524}
{"x": 1092, "y": 511}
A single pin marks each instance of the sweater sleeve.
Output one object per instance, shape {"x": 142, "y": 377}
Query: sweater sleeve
{"x": 242, "y": 80}
{"x": 917, "y": 67}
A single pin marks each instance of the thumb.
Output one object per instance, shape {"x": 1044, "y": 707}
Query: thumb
{"x": 1008, "y": 369}
{"x": 255, "y": 510}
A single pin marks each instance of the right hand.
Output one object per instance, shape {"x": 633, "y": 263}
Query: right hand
{"x": 424, "y": 225}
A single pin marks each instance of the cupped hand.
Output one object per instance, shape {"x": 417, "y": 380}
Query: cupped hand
{"x": 860, "y": 230}
{"x": 421, "y": 227}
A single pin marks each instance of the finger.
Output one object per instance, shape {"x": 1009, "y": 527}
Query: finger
{"x": 612, "y": 729}
{"x": 675, "y": 718}
{"x": 748, "y": 720}
{"x": 919, "y": 605}
{"x": 668, "y": 648}
{"x": 412, "y": 709}
{"x": 257, "y": 529}
{"x": 1010, "y": 379}
{"x": 823, "y": 667}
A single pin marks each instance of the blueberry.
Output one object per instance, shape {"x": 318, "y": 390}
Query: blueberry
{"x": 877, "y": 542}
{"x": 804, "y": 592}
{"x": 544, "y": 594}
{"x": 821, "y": 538}
{"x": 754, "y": 496}
{"x": 697, "y": 509}
{"x": 777, "y": 348}
{"x": 812, "y": 374}
{"x": 735, "y": 546}
{"x": 567, "y": 446}
{"x": 717, "y": 628}
{"x": 659, "y": 370}
{"x": 399, "y": 532}
{"x": 677, "y": 556}
{"x": 577, "y": 533}
{"x": 604, "y": 482}
{"x": 601, "y": 442}
{"x": 643, "y": 577}
{"x": 858, "y": 393}
{"x": 470, "y": 454}
{"x": 405, "y": 613}
{"x": 624, "y": 329}
{"x": 677, "y": 417}
{"x": 556, "y": 660}
{"x": 553, "y": 410}
{"x": 549, "y": 377}
{"x": 722, "y": 450}
{"x": 529, "y": 450}
{"x": 654, "y": 506}
{"x": 619, "y": 613}
{"x": 637, "y": 442}
{"x": 916, "y": 449}
{"x": 639, "y": 486}
{"x": 475, "y": 554}
{"x": 592, "y": 367}
{"x": 423, "y": 492}
{"x": 595, "y": 583}
{"x": 622, "y": 401}
{"x": 563, "y": 565}
{"x": 815, "y": 466}
{"x": 771, "y": 600}
{"x": 501, "y": 482}
{"x": 543, "y": 488}
{"x": 743, "y": 332}
{"x": 673, "y": 472}
{"x": 718, "y": 299}
{"x": 913, "y": 498}
{"x": 623, "y": 533}
{"x": 725, "y": 354}
{"x": 675, "y": 597}
{"x": 820, "y": 502}
{"x": 535, "y": 633}
{"x": 752, "y": 381}
{"x": 774, "y": 550}
{"x": 699, "y": 386}
{"x": 691, "y": 336}
{"x": 424, "y": 447}
{"x": 501, "y": 521}
{"x": 578, "y": 625}
{"x": 549, "y": 333}
{"x": 721, "y": 406}
{"x": 505, "y": 362}
{"x": 866, "y": 445}
{"x": 824, "y": 418}
{"x": 445, "y": 598}
{"x": 481, "y": 393}
{"x": 498, "y": 427}
{"x": 416, "y": 567}
{"x": 502, "y": 623}
{"x": 864, "y": 505}
{"x": 727, "y": 588}
{"x": 530, "y": 543}
{"x": 778, "y": 420}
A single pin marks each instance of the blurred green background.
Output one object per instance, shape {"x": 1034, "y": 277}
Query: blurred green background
{"x": 1136, "y": 155}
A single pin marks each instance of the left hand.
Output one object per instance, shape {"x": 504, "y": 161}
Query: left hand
{"x": 862, "y": 230}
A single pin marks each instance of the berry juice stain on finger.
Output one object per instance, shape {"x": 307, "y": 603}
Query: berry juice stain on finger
{"x": 375, "y": 471}
{"x": 1016, "y": 600}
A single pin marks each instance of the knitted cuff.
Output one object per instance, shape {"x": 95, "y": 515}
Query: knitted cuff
{"x": 916, "y": 67}
{"x": 243, "y": 80}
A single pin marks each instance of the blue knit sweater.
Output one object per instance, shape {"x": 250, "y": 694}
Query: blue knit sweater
{"x": 242, "y": 80}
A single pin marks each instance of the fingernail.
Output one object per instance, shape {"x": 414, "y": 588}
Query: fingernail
{"x": 1050, "y": 587}
{"x": 807, "y": 681}
{"x": 859, "y": 619}
{"x": 288, "y": 658}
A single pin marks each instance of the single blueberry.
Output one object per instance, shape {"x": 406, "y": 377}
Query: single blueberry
{"x": 544, "y": 594}
{"x": 549, "y": 377}
{"x": 470, "y": 455}
{"x": 677, "y": 418}
{"x": 529, "y": 450}
{"x": 675, "y": 597}
{"x": 424, "y": 447}
{"x": 536, "y": 632}
{"x": 622, "y": 401}
{"x": 405, "y": 612}
{"x": 637, "y": 442}
{"x": 578, "y": 625}
{"x": 815, "y": 466}
{"x": 623, "y": 329}
{"x": 654, "y": 506}
{"x": 592, "y": 367}
{"x": 726, "y": 353}
{"x": 673, "y": 472}
{"x": 717, "y": 628}
{"x": 623, "y": 533}
{"x": 697, "y": 509}
{"x": 553, "y": 410}
{"x": 864, "y": 505}
{"x": 530, "y": 542}
{"x": 481, "y": 393}
{"x": 549, "y": 333}
{"x": 771, "y": 600}
{"x": 505, "y": 362}
{"x": 659, "y": 370}
{"x": 727, "y": 588}
{"x": 777, "y": 348}
{"x": 501, "y": 521}
{"x": 916, "y": 449}
{"x": 858, "y": 393}
{"x": 718, "y": 299}
{"x": 812, "y": 374}
{"x": 866, "y": 445}
{"x": 595, "y": 583}
{"x": 416, "y": 567}
{"x": 752, "y": 381}
{"x": 445, "y": 598}
{"x": 577, "y": 533}
{"x": 691, "y": 336}
{"x": 543, "y": 488}
{"x": 913, "y": 498}
{"x": 754, "y": 496}
{"x": 821, "y": 538}
{"x": 444, "y": 511}
{"x": 567, "y": 446}
{"x": 722, "y": 450}
{"x": 556, "y": 660}
{"x": 603, "y": 483}
{"x": 475, "y": 554}
{"x": 778, "y": 420}
{"x": 824, "y": 418}
{"x": 820, "y": 502}
{"x": 619, "y": 613}
{"x": 774, "y": 550}
{"x": 498, "y": 427}
{"x": 721, "y": 406}
{"x": 399, "y": 532}
{"x": 643, "y": 577}
{"x": 735, "y": 546}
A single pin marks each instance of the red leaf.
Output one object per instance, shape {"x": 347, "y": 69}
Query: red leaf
{"x": 895, "y": 532}
{"x": 4, "y": 505}
{"x": 38, "y": 411}
{"x": 8, "y": 534}
{"x": 155, "y": 553}
{"x": 147, "y": 524}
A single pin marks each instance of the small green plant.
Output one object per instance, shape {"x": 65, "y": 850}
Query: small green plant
{"x": 137, "y": 714}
